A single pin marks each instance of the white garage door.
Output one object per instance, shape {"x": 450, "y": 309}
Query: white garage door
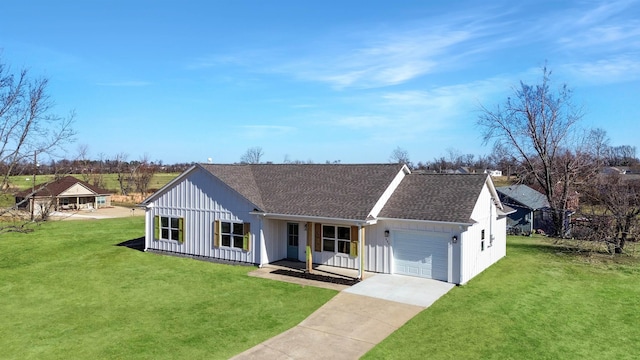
{"x": 421, "y": 254}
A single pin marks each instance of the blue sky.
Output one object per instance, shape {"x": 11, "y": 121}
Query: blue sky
{"x": 184, "y": 81}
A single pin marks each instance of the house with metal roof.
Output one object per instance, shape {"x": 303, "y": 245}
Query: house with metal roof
{"x": 531, "y": 209}
{"x": 370, "y": 217}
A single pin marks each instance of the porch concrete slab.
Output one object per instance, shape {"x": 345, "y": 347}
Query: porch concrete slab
{"x": 403, "y": 289}
{"x": 267, "y": 272}
{"x": 346, "y": 327}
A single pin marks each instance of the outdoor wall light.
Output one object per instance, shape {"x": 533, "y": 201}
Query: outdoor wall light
{"x": 386, "y": 233}
{"x": 454, "y": 239}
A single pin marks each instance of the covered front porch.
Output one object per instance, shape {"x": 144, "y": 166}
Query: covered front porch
{"x": 329, "y": 248}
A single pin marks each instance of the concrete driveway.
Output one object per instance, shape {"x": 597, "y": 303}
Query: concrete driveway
{"x": 403, "y": 289}
{"x": 353, "y": 321}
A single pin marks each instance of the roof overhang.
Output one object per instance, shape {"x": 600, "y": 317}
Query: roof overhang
{"x": 471, "y": 223}
{"x": 320, "y": 219}
{"x": 506, "y": 210}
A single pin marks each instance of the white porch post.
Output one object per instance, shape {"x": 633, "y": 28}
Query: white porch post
{"x": 360, "y": 250}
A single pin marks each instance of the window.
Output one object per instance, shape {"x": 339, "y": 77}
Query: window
{"x": 482, "y": 240}
{"x": 230, "y": 234}
{"x": 292, "y": 234}
{"x": 101, "y": 200}
{"x": 336, "y": 239}
{"x": 169, "y": 228}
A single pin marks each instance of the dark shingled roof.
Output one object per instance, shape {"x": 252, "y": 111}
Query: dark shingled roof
{"x": 342, "y": 191}
{"x": 435, "y": 197}
{"x": 59, "y": 186}
{"x": 524, "y": 195}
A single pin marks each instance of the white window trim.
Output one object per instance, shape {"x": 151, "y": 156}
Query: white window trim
{"x": 222, "y": 234}
{"x": 169, "y": 228}
{"x": 337, "y": 240}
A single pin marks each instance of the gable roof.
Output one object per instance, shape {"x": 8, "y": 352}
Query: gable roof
{"x": 524, "y": 195}
{"x": 59, "y": 186}
{"x": 344, "y": 191}
{"x": 435, "y": 197}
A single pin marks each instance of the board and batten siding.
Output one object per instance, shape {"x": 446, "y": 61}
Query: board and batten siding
{"x": 377, "y": 255}
{"x": 201, "y": 199}
{"x": 474, "y": 259}
{"x": 275, "y": 234}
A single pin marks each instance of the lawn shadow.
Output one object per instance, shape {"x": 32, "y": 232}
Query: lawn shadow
{"x": 135, "y": 244}
{"x": 536, "y": 246}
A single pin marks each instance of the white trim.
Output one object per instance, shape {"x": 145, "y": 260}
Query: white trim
{"x": 430, "y": 221}
{"x": 307, "y": 218}
{"x": 388, "y": 192}
{"x": 146, "y": 202}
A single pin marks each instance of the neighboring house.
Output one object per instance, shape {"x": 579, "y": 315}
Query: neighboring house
{"x": 620, "y": 170}
{"x": 531, "y": 209}
{"x": 63, "y": 194}
{"x": 465, "y": 170}
{"x": 493, "y": 173}
{"x": 370, "y": 217}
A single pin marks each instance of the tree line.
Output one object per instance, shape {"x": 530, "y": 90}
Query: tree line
{"x": 535, "y": 133}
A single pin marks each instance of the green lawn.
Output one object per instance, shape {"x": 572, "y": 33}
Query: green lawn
{"x": 68, "y": 292}
{"x": 537, "y": 303}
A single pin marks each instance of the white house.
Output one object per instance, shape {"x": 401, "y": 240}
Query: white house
{"x": 371, "y": 217}
{"x": 493, "y": 173}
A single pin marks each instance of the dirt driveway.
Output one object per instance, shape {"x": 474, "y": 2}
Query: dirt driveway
{"x": 103, "y": 213}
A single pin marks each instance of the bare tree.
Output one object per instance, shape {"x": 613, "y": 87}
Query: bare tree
{"x": 83, "y": 159}
{"x": 122, "y": 172}
{"x": 615, "y": 201}
{"x": 454, "y": 157}
{"x": 143, "y": 173}
{"x": 624, "y": 155}
{"x": 400, "y": 156}
{"x": 252, "y": 155}
{"x": 27, "y": 125}
{"x": 539, "y": 125}
{"x": 98, "y": 171}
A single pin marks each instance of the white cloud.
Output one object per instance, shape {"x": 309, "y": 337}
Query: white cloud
{"x": 602, "y": 12}
{"x": 605, "y": 71}
{"x": 382, "y": 60}
{"x": 399, "y": 116}
{"x": 607, "y": 28}
{"x": 375, "y": 56}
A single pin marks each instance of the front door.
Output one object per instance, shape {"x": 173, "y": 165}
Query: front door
{"x": 292, "y": 241}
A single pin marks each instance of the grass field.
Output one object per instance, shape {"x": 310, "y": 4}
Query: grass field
{"x": 537, "y": 303}
{"x": 24, "y": 182}
{"x": 68, "y": 292}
